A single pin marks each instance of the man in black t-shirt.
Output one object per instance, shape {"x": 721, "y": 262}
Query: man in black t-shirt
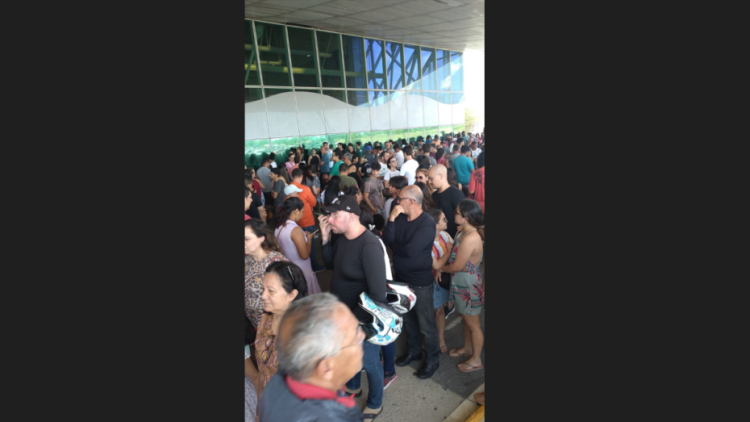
{"x": 410, "y": 234}
{"x": 445, "y": 196}
{"x": 360, "y": 264}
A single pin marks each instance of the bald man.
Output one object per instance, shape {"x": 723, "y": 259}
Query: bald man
{"x": 445, "y": 196}
{"x": 410, "y": 233}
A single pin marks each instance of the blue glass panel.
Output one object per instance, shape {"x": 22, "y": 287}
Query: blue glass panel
{"x": 395, "y": 63}
{"x": 375, "y": 59}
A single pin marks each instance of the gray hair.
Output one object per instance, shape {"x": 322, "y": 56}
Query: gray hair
{"x": 347, "y": 155}
{"x": 312, "y": 337}
{"x": 414, "y": 193}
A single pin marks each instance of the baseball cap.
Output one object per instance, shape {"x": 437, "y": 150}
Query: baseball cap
{"x": 366, "y": 168}
{"x": 343, "y": 203}
{"x": 367, "y": 148}
{"x": 290, "y": 189}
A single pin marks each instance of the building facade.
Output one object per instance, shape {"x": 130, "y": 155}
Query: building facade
{"x": 343, "y": 88}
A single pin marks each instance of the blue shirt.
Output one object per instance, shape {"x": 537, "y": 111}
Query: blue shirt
{"x": 463, "y": 166}
{"x": 324, "y": 168}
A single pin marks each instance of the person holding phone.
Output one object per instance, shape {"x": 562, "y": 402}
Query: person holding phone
{"x": 295, "y": 243}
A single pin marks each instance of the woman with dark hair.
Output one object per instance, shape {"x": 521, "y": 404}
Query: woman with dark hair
{"x": 261, "y": 249}
{"x": 467, "y": 283}
{"x": 354, "y": 192}
{"x": 391, "y": 171}
{"x": 277, "y": 189}
{"x": 440, "y": 156}
{"x": 297, "y": 160}
{"x": 427, "y": 202}
{"x": 441, "y": 248}
{"x": 309, "y": 179}
{"x": 451, "y": 176}
{"x": 397, "y": 183}
{"x": 295, "y": 243}
{"x": 290, "y": 161}
{"x": 314, "y": 161}
{"x": 423, "y": 162}
{"x": 285, "y": 175}
{"x": 476, "y": 183}
{"x": 333, "y": 190}
{"x": 283, "y": 283}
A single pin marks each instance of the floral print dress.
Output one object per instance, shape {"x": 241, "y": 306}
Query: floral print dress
{"x": 265, "y": 351}
{"x": 254, "y": 274}
{"x": 466, "y": 287}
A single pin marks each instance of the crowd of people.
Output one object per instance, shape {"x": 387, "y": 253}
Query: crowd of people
{"x": 401, "y": 226}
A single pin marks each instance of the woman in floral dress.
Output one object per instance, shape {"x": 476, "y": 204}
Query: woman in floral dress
{"x": 261, "y": 249}
{"x": 283, "y": 283}
{"x": 251, "y": 397}
{"x": 467, "y": 286}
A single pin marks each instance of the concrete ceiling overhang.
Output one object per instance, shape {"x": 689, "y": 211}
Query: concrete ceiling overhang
{"x": 455, "y": 25}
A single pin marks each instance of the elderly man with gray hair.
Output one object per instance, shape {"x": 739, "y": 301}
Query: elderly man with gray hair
{"x": 410, "y": 233}
{"x": 319, "y": 348}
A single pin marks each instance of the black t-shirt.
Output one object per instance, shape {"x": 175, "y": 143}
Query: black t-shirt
{"x": 447, "y": 203}
{"x": 314, "y": 163}
{"x": 356, "y": 177}
{"x": 411, "y": 242}
{"x": 359, "y": 265}
{"x": 253, "y": 210}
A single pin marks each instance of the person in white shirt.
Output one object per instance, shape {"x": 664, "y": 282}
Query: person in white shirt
{"x": 474, "y": 150}
{"x": 399, "y": 155}
{"x": 272, "y": 157}
{"x": 390, "y": 172}
{"x": 409, "y": 169}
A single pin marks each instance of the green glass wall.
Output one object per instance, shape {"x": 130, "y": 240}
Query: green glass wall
{"x": 302, "y": 49}
{"x": 329, "y": 55}
{"x": 274, "y": 57}
{"x": 350, "y": 71}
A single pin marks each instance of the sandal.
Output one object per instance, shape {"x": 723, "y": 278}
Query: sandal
{"x": 479, "y": 398}
{"x": 468, "y": 367}
{"x": 371, "y": 416}
{"x": 453, "y": 354}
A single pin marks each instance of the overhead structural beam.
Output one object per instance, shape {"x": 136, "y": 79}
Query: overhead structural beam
{"x": 275, "y": 67}
{"x": 280, "y": 50}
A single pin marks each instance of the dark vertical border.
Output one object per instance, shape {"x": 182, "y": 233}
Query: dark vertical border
{"x": 138, "y": 305}
{"x": 590, "y": 113}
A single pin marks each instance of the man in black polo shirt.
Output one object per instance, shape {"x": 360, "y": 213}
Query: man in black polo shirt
{"x": 410, "y": 234}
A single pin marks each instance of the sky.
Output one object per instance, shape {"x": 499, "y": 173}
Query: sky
{"x": 474, "y": 82}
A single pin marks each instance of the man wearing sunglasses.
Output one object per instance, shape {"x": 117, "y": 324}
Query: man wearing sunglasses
{"x": 319, "y": 348}
{"x": 360, "y": 264}
{"x": 410, "y": 233}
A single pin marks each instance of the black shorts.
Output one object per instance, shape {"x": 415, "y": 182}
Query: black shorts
{"x": 269, "y": 199}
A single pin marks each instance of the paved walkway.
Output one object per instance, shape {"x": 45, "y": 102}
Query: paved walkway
{"x": 409, "y": 398}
